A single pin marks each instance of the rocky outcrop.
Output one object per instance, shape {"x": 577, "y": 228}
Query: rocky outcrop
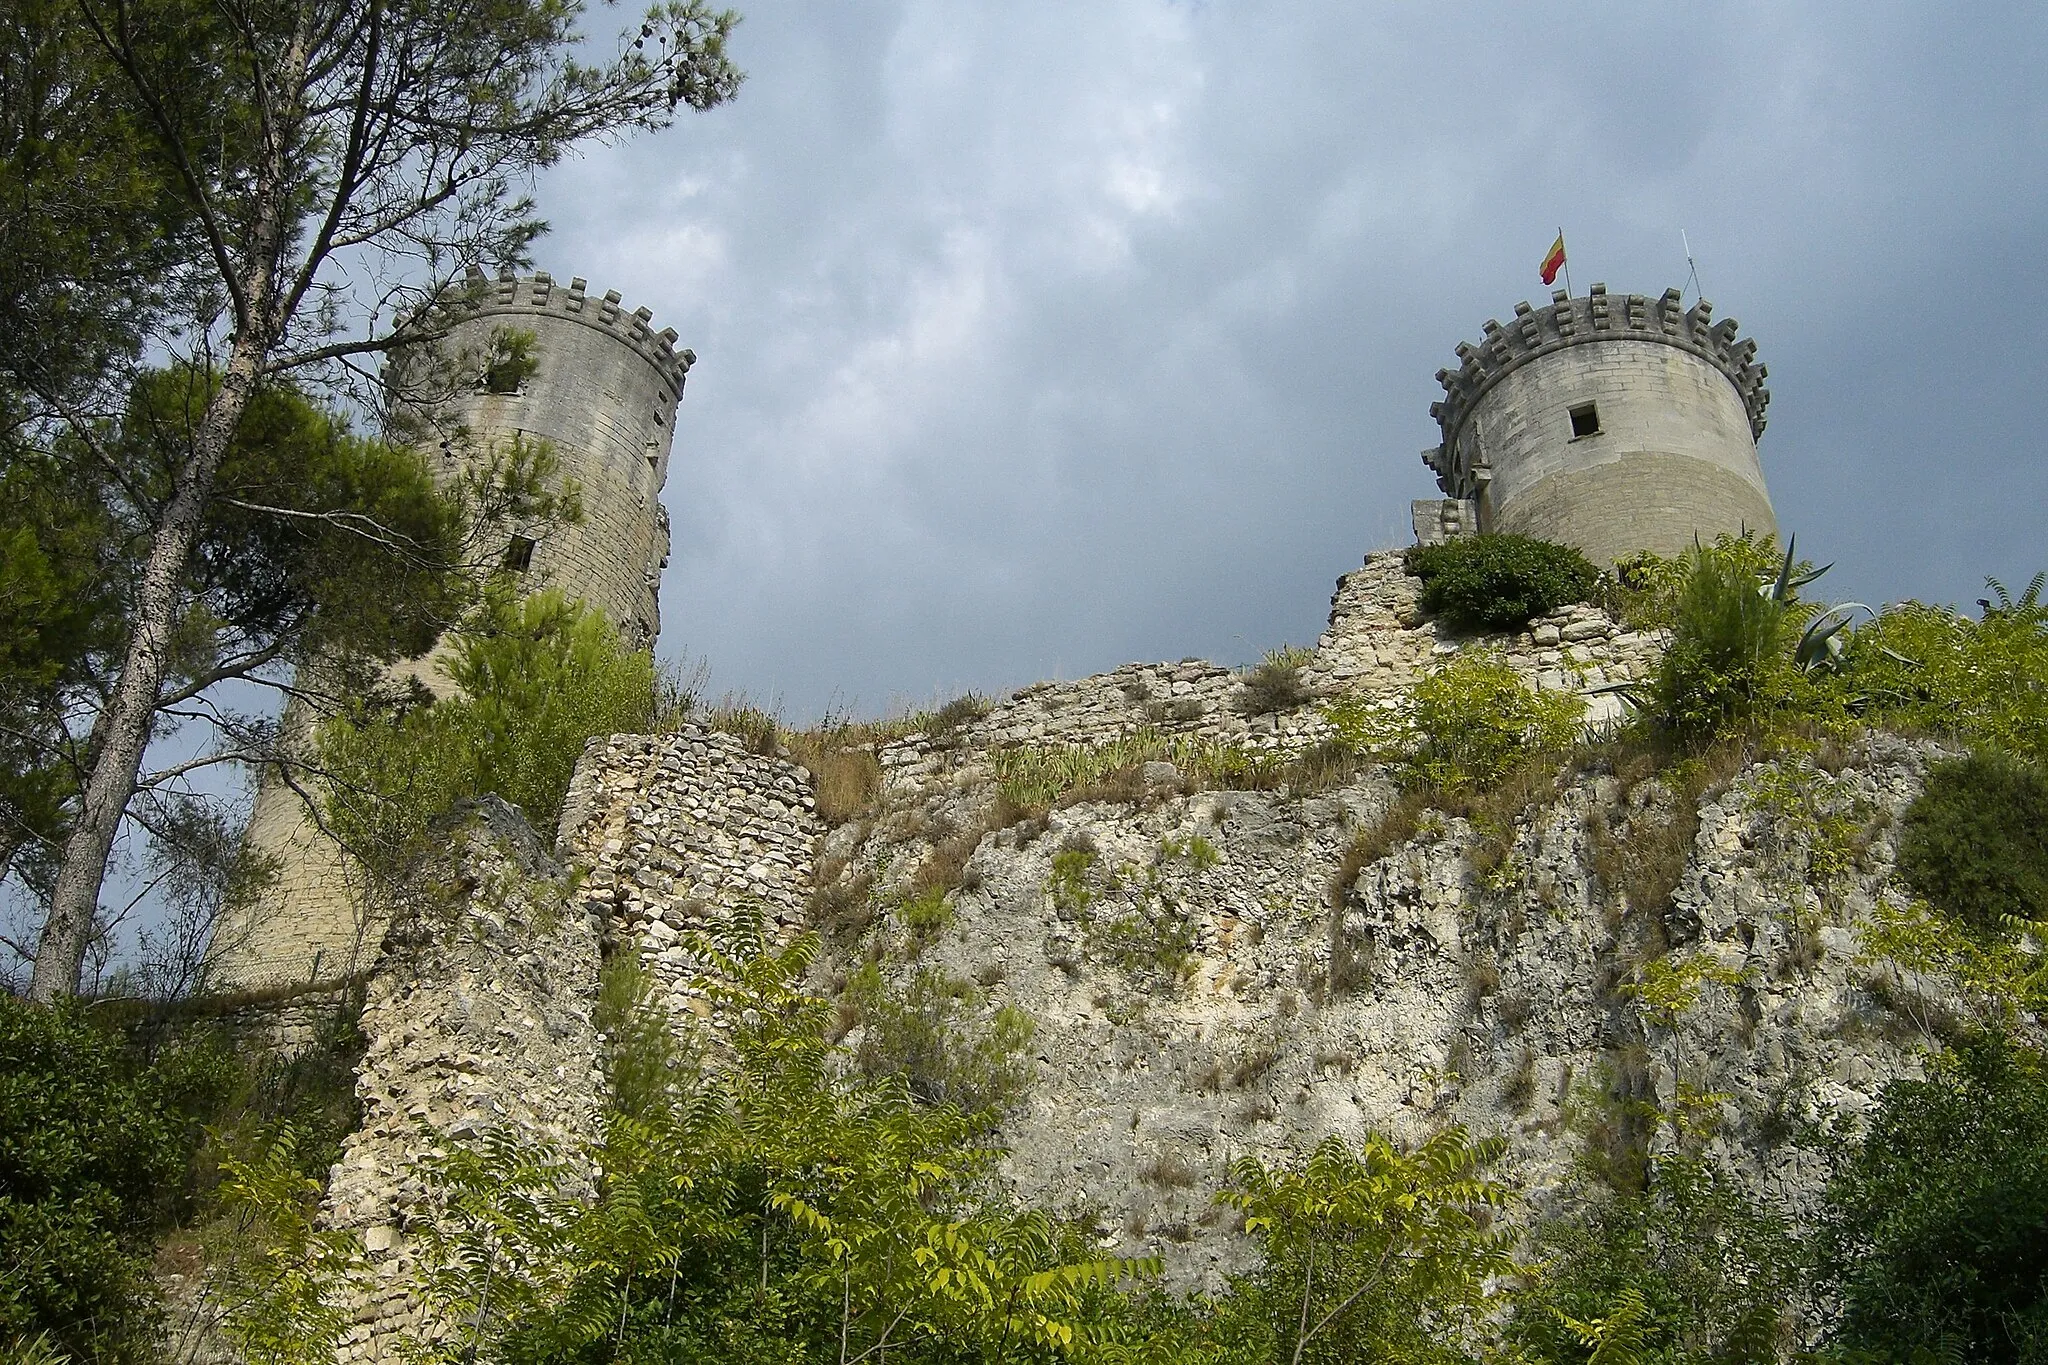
{"x": 1213, "y": 973}
{"x": 1206, "y": 987}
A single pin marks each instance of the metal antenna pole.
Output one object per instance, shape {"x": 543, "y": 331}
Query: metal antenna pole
{"x": 1567, "y": 265}
{"x": 1692, "y": 271}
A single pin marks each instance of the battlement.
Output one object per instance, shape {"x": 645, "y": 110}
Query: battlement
{"x": 1565, "y": 322}
{"x": 539, "y": 294}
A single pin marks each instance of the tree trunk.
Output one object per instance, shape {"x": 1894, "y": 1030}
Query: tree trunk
{"x": 124, "y": 725}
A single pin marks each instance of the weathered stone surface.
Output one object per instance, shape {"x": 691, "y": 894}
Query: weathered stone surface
{"x": 688, "y": 834}
{"x": 1442, "y": 988}
{"x": 1484, "y": 998}
{"x": 477, "y": 1019}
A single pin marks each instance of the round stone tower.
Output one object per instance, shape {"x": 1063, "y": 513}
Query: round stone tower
{"x": 601, "y": 388}
{"x": 1611, "y": 423}
{"x": 535, "y": 361}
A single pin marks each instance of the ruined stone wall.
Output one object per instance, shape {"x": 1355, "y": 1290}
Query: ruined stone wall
{"x": 688, "y": 834}
{"x": 1464, "y": 974}
{"x": 477, "y": 1019}
{"x": 1377, "y": 643}
{"x": 478, "y": 1013}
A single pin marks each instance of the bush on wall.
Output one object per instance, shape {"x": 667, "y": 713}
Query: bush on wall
{"x": 1499, "y": 582}
{"x": 538, "y": 677}
{"x": 1975, "y": 842}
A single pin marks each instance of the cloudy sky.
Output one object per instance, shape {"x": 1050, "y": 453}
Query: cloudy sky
{"x": 1039, "y": 338}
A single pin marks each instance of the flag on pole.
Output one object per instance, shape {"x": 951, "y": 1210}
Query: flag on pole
{"x": 1553, "y": 260}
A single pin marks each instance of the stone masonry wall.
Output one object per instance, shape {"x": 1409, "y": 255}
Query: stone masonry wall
{"x": 1377, "y": 643}
{"x": 478, "y": 1018}
{"x": 683, "y": 833}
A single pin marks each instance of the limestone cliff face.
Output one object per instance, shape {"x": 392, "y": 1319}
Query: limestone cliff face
{"x": 1191, "y": 1011}
{"x": 1438, "y": 993}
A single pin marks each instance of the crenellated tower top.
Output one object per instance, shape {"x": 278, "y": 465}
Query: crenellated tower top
{"x": 539, "y": 294}
{"x": 1566, "y": 322}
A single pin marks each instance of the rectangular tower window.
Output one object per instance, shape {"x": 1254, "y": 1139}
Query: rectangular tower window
{"x": 1585, "y": 420}
{"x": 519, "y": 554}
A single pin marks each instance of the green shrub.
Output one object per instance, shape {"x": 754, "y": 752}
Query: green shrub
{"x": 930, "y": 1031}
{"x": 926, "y": 915}
{"x": 1152, "y": 937}
{"x": 1691, "y": 1267}
{"x": 1936, "y": 1234}
{"x": 1381, "y": 1253}
{"x": 1642, "y": 590}
{"x": 1499, "y": 582}
{"x": 95, "y": 1148}
{"x": 1730, "y": 657}
{"x": 1464, "y": 725}
{"x": 1935, "y": 671}
{"x": 1975, "y": 842}
{"x": 537, "y": 679}
{"x": 1275, "y": 683}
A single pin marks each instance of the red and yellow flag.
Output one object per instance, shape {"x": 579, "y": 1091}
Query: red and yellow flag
{"x": 1553, "y": 260}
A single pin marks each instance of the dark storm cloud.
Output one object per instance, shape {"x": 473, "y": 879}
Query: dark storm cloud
{"x": 1036, "y": 339}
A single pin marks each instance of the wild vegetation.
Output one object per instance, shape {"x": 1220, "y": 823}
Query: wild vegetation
{"x": 786, "y": 1197}
{"x": 530, "y": 681}
{"x": 1499, "y": 582}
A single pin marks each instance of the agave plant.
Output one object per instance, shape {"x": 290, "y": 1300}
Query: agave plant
{"x": 1787, "y": 584}
{"x": 1822, "y": 646}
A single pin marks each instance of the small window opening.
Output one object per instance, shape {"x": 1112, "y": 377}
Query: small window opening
{"x": 1585, "y": 420}
{"x": 511, "y": 362}
{"x": 519, "y": 554}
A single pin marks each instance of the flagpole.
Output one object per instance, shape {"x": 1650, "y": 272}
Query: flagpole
{"x": 1567, "y": 263}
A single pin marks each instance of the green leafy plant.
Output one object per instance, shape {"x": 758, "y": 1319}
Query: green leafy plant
{"x": 926, "y": 914}
{"x": 1975, "y": 842}
{"x": 1464, "y": 725}
{"x": 1737, "y": 653}
{"x": 1068, "y": 882}
{"x": 1196, "y": 851}
{"x": 766, "y": 1206}
{"x": 88, "y": 1145}
{"x": 283, "y": 1287}
{"x": 1936, "y": 1228}
{"x": 535, "y": 679}
{"x": 1499, "y": 582}
{"x": 1381, "y": 1252}
{"x": 1691, "y": 1268}
{"x": 938, "y": 1033}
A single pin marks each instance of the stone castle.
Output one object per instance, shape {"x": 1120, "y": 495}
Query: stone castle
{"x": 1611, "y": 423}
{"x": 1463, "y": 975}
